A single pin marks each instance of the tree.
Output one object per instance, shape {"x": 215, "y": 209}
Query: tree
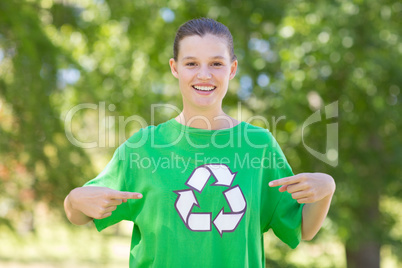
{"x": 37, "y": 161}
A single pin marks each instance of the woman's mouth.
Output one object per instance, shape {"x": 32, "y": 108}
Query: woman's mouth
{"x": 204, "y": 88}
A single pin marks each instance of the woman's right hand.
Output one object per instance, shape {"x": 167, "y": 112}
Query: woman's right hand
{"x": 94, "y": 202}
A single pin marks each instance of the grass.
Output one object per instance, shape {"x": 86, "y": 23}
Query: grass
{"x": 57, "y": 243}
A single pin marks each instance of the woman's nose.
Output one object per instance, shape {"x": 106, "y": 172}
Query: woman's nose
{"x": 204, "y": 73}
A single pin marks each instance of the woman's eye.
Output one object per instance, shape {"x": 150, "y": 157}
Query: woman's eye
{"x": 190, "y": 64}
{"x": 217, "y": 64}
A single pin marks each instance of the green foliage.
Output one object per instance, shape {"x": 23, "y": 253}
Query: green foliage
{"x": 37, "y": 161}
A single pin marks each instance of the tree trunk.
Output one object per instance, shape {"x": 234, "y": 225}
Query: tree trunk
{"x": 366, "y": 256}
{"x": 364, "y": 244}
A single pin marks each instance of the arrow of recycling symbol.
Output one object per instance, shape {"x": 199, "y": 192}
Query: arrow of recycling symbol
{"x": 201, "y": 222}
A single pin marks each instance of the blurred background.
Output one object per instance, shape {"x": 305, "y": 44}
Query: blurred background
{"x": 87, "y": 70}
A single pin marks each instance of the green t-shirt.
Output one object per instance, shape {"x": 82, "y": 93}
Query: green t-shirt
{"x": 206, "y": 200}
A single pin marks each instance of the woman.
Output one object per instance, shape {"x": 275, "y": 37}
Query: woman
{"x": 196, "y": 187}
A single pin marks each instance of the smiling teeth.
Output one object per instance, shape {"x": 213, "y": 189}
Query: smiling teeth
{"x": 204, "y": 88}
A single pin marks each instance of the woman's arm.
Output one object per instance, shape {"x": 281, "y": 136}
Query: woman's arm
{"x": 313, "y": 216}
{"x": 315, "y": 190}
{"x": 86, "y": 203}
{"x": 75, "y": 216}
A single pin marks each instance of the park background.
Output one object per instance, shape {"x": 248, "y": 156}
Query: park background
{"x": 295, "y": 57}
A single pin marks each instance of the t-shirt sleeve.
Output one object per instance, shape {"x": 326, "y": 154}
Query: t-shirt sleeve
{"x": 113, "y": 176}
{"x": 281, "y": 212}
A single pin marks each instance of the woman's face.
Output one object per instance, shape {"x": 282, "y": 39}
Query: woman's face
{"x": 204, "y": 68}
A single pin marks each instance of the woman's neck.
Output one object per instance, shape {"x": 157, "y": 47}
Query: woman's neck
{"x": 206, "y": 119}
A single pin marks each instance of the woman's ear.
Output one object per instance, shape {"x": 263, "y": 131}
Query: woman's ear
{"x": 233, "y": 69}
{"x": 173, "y": 67}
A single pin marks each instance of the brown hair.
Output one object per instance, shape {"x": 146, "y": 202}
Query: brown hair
{"x": 202, "y": 27}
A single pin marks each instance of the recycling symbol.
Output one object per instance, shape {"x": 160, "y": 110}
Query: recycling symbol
{"x": 202, "y": 222}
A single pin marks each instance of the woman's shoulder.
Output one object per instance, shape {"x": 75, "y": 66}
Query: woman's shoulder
{"x": 136, "y": 140}
{"x": 257, "y": 131}
{"x": 258, "y": 135}
{"x": 145, "y": 133}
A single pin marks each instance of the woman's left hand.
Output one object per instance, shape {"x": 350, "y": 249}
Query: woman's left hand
{"x": 307, "y": 187}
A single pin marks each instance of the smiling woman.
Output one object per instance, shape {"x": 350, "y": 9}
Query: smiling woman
{"x": 219, "y": 224}
{"x": 204, "y": 76}
{"x": 204, "y": 62}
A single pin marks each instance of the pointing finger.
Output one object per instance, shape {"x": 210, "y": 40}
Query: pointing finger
{"x": 284, "y": 181}
{"x": 126, "y": 195}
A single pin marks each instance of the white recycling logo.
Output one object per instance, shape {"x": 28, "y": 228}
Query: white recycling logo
{"x": 201, "y": 222}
